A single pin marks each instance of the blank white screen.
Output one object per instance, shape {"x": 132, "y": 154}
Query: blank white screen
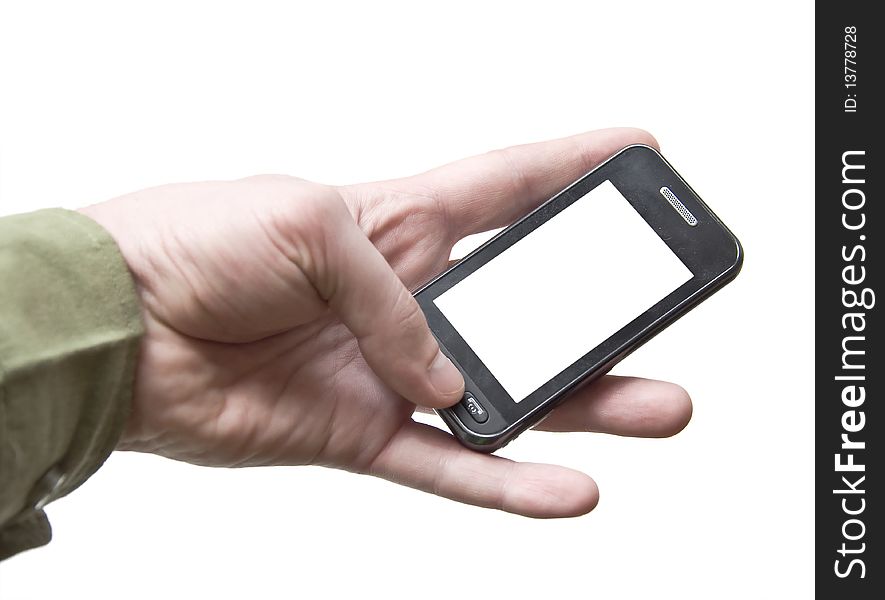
{"x": 588, "y": 271}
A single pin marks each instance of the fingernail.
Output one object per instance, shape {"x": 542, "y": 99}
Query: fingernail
{"x": 445, "y": 376}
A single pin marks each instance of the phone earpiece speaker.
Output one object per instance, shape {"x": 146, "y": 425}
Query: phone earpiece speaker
{"x": 679, "y": 206}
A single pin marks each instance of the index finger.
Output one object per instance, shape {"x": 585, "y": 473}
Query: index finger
{"x": 496, "y": 188}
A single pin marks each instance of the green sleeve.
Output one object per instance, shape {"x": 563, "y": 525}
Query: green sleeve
{"x": 70, "y": 326}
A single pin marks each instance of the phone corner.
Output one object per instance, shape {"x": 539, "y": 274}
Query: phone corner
{"x": 737, "y": 262}
{"x": 478, "y": 442}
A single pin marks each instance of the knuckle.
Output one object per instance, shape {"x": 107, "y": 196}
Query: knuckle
{"x": 408, "y": 316}
{"x": 518, "y": 181}
{"x": 307, "y": 216}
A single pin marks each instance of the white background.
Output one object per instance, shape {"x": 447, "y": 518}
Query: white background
{"x": 99, "y": 99}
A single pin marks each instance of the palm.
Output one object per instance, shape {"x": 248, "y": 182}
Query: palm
{"x": 246, "y": 363}
{"x": 302, "y": 394}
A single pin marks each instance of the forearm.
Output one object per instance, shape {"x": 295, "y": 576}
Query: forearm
{"x": 70, "y": 326}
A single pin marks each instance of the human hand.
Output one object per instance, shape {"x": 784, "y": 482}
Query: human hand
{"x": 280, "y": 328}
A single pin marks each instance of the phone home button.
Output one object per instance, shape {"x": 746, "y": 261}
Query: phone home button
{"x": 476, "y": 410}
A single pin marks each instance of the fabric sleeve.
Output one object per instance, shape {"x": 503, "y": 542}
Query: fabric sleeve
{"x": 70, "y": 327}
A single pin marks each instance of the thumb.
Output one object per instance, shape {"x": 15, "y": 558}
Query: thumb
{"x": 393, "y": 335}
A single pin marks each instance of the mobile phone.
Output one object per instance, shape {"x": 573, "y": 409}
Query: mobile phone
{"x": 552, "y": 302}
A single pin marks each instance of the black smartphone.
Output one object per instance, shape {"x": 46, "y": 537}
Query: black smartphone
{"x": 558, "y": 298}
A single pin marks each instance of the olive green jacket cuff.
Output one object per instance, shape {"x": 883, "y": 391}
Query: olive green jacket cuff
{"x": 70, "y": 326}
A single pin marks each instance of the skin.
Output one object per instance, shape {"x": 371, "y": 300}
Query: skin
{"x": 280, "y": 329}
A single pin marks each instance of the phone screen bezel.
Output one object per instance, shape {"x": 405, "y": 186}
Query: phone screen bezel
{"x": 709, "y": 250}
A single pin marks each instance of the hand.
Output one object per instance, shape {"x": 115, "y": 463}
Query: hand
{"x": 280, "y": 328}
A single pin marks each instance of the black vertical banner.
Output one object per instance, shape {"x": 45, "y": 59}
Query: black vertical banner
{"x": 849, "y": 365}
